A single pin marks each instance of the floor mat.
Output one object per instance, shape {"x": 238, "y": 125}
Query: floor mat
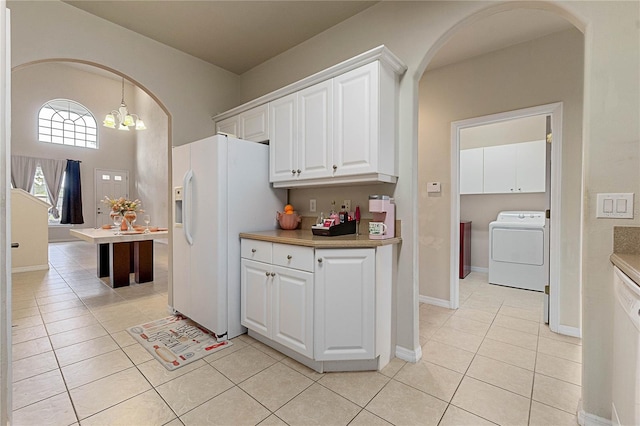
{"x": 176, "y": 341}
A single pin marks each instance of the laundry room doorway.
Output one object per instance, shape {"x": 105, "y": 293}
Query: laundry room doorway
{"x": 508, "y": 161}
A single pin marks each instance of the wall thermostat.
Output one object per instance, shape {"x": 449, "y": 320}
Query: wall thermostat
{"x": 433, "y": 186}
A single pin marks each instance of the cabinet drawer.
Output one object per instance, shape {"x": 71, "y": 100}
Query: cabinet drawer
{"x": 256, "y": 250}
{"x": 296, "y": 257}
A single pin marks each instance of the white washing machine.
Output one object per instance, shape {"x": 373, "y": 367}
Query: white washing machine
{"x": 518, "y": 250}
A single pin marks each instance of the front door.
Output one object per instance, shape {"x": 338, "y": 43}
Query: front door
{"x": 112, "y": 184}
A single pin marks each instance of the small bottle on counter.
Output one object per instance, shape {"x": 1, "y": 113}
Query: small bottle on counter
{"x": 343, "y": 215}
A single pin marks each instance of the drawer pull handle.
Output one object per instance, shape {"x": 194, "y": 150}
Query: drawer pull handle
{"x": 289, "y": 257}
{"x": 253, "y": 250}
{"x": 319, "y": 260}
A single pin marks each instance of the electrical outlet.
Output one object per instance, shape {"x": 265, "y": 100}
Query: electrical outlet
{"x": 312, "y": 206}
{"x": 347, "y": 205}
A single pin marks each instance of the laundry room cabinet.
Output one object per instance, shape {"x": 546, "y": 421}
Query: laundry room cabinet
{"x": 515, "y": 168}
{"x": 504, "y": 169}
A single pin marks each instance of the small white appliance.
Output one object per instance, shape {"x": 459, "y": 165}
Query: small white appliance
{"x": 384, "y": 210}
{"x": 220, "y": 188}
{"x": 518, "y": 250}
{"x": 626, "y": 351}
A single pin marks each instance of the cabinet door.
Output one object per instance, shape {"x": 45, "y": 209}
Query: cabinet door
{"x": 471, "y": 174}
{"x": 356, "y": 95}
{"x": 230, "y": 126}
{"x": 500, "y": 169}
{"x": 531, "y": 159}
{"x": 255, "y": 124}
{"x": 315, "y": 126}
{"x": 292, "y": 298}
{"x": 283, "y": 164}
{"x": 344, "y": 318}
{"x": 255, "y": 296}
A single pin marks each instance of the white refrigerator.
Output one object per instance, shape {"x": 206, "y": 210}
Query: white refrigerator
{"x": 220, "y": 188}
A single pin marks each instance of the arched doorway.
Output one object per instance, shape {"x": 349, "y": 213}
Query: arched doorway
{"x": 144, "y": 154}
{"x": 437, "y": 229}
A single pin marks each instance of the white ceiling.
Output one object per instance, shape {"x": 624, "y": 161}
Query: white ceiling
{"x": 238, "y": 35}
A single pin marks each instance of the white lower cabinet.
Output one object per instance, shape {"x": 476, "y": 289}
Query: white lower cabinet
{"x": 344, "y": 321}
{"x": 277, "y": 301}
{"x": 320, "y": 303}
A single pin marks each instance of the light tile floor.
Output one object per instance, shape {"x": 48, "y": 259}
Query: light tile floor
{"x": 490, "y": 362}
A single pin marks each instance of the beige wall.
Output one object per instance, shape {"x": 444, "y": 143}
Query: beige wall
{"x": 538, "y": 72}
{"x": 524, "y": 129}
{"x": 190, "y": 89}
{"x": 414, "y": 31}
{"x": 152, "y": 161}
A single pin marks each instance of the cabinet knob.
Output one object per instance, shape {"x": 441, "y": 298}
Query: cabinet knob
{"x": 319, "y": 260}
{"x": 299, "y": 171}
{"x": 289, "y": 257}
{"x": 519, "y": 189}
{"x": 273, "y": 274}
{"x": 293, "y": 172}
{"x": 335, "y": 167}
{"x": 253, "y": 250}
{"x": 266, "y": 273}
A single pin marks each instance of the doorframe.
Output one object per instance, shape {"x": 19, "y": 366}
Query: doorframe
{"x": 555, "y": 111}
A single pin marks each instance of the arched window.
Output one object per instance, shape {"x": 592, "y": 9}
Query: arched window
{"x": 65, "y": 122}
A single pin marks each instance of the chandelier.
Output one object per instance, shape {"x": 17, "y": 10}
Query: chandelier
{"x": 124, "y": 118}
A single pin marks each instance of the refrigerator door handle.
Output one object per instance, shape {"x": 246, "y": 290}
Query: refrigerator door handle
{"x": 186, "y": 208}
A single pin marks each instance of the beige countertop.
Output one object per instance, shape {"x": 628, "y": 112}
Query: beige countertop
{"x": 629, "y": 264}
{"x": 626, "y": 251}
{"x": 306, "y": 238}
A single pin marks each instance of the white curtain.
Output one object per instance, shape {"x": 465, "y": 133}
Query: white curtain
{"x": 53, "y": 171}
{"x": 23, "y": 170}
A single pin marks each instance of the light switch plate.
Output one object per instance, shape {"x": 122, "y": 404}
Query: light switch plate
{"x": 615, "y": 205}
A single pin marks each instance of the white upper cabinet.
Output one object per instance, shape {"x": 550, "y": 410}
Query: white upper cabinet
{"x": 315, "y": 137}
{"x": 531, "y": 166}
{"x": 345, "y": 132}
{"x": 283, "y": 156}
{"x": 231, "y": 126}
{"x": 254, "y": 124}
{"x": 337, "y": 126}
{"x": 471, "y": 171}
{"x": 251, "y": 125}
{"x": 504, "y": 169}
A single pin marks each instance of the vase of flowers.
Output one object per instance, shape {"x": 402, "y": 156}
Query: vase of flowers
{"x": 125, "y": 208}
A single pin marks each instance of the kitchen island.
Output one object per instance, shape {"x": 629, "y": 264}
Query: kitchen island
{"x": 119, "y": 255}
{"x": 327, "y": 302}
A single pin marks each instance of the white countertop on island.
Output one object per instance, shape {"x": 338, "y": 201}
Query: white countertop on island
{"x": 103, "y": 236}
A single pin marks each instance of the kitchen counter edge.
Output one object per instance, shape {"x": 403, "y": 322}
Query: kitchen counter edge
{"x": 629, "y": 264}
{"x": 307, "y": 239}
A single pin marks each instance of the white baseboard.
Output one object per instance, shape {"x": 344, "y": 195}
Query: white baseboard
{"x": 408, "y": 354}
{"x": 479, "y": 269}
{"x": 30, "y": 268}
{"x": 587, "y": 419}
{"x": 434, "y": 301}
{"x": 570, "y": 331}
